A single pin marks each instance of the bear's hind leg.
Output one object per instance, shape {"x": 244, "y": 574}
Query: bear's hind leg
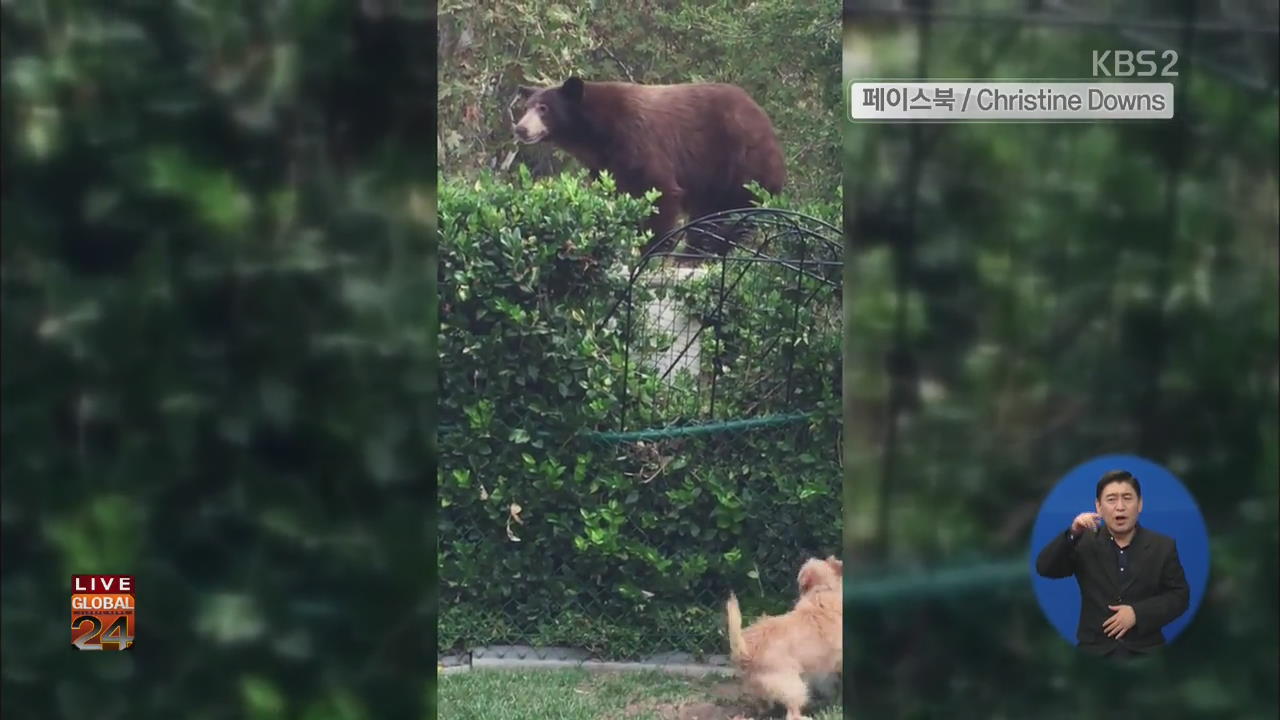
{"x": 718, "y": 237}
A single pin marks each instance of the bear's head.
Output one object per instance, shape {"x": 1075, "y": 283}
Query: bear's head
{"x": 550, "y": 113}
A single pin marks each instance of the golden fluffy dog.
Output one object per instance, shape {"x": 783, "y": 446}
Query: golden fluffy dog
{"x": 776, "y": 652}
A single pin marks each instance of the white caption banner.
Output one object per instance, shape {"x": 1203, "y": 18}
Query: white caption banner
{"x": 1031, "y": 101}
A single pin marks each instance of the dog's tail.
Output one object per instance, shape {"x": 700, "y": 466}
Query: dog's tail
{"x": 735, "y": 628}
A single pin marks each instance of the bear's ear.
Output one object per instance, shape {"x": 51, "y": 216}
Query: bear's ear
{"x": 524, "y": 91}
{"x": 573, "y": 88}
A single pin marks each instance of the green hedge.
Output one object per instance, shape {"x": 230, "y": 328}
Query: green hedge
{"x": 604, "y": 559}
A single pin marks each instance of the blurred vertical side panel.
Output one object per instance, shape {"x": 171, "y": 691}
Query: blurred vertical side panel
{"x": 1022, "y": 297}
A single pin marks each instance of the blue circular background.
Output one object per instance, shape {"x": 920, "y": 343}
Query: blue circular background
{"x": 1167, "y": 507}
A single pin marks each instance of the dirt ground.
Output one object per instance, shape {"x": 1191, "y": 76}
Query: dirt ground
{"x": 728, "y": 703}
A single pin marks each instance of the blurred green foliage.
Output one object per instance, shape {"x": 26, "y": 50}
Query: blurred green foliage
{"x": 219, "y": 365}
{"x": 1023, "y": 298}
{"x": 488, "y": 49}
{"x": 549, "y": 537}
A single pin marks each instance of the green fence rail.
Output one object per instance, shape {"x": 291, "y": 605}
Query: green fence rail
{"x": 928, "y": 583}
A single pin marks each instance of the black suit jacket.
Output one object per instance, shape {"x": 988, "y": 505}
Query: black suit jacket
{"x": 1155, "y": 586}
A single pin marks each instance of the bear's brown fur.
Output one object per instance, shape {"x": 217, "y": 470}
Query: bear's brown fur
{"x": 697, "y": 143}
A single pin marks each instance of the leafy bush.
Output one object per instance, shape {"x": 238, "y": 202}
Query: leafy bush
{"x": 551, "y": 537}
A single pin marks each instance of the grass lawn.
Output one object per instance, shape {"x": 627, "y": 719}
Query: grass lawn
{"x": 582, "y": 695}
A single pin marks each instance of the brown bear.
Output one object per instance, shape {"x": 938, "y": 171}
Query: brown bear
{"x": 697, "y": 143}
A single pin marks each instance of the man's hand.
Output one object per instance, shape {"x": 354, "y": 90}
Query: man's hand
{"x": 1084, "y": 521}
{"x": 1120, "y": 623}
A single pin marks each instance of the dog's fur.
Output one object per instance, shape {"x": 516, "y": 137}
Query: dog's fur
{"x": 776, "y": 652}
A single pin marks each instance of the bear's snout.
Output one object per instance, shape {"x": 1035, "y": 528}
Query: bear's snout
{"x": 530, "y": 129}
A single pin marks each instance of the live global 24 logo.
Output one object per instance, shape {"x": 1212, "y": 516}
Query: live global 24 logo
{"x": 102, "y": 612}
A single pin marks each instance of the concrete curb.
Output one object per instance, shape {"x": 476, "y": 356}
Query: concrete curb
{"x": 524, "y": 657}
{"x": 686, "y": 669}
